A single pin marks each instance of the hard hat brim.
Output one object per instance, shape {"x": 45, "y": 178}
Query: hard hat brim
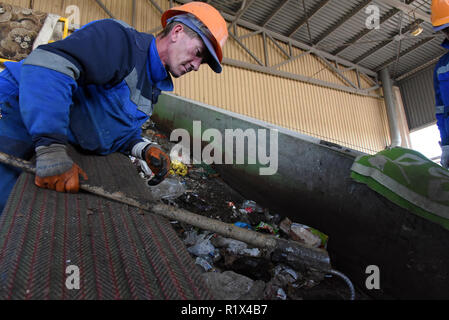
{"x": 443, "y": 26}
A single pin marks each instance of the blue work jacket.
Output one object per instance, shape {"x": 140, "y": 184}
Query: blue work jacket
{"x": 93, "y": 89}
{"x": 441, "y": 86}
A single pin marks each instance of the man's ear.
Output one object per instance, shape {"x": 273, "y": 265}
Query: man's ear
{"x": 176, "y": 32}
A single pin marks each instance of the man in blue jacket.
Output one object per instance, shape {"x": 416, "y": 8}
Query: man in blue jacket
{"x": 95, "y": 89}
{"x": 440, "y": 22}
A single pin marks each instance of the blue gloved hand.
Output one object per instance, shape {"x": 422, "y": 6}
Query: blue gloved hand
{"x": 445, "y": 156}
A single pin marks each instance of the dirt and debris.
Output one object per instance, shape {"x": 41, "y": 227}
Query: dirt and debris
{"x": 231, "y": 268}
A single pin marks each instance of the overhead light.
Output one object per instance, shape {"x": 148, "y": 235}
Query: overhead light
{"x": 416, "y": 31}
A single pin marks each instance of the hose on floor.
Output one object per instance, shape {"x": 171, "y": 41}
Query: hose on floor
{"x": 346, "y": 279}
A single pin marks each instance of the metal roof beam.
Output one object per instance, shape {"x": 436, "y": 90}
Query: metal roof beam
{"x": 291, "y": 59}
{"x": 335, "y": 70}
{"x": 302, "y": 78}
{"x": 408, "y": 9}
{"x": 301, "y": 45}
{"x": 297, "y": 44}
{"x": 159, "y": 9}
{"x": 102, "y": 6}
{"x": 278, "y": 45}
{"x": 390, "y": 14}
{"x": 246, "y": 49}
{"x": 383, "y": 44}
{"x": 406, "y": 52}
{"x": 282, "y": 5}
{"x": 407, "y": 74}
{"x": 307, "y": 17}
{"x": 340, "y": 22}
{"x": 244, "y": 8}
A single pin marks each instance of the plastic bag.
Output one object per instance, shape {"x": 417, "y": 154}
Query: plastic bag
{"x": 169, "y": 189}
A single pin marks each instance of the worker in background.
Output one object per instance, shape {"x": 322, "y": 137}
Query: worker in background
{"x": 440, "y": 22}
{"x": 95, "y": 89}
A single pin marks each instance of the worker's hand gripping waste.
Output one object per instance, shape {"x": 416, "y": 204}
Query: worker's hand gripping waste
{"x": 445, "y": 156}
{"x": 158, "y": 161}
{"x": 55, "y": 170}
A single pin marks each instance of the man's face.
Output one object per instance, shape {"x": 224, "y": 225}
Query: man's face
{"x": 185, "y": 54}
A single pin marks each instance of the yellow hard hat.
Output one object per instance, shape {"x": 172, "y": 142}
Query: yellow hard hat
{"x": 209, "y": 17}
{"x": 440, "y": 14}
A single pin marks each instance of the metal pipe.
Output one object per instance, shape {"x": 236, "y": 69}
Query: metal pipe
{"x": 391, "y": 108}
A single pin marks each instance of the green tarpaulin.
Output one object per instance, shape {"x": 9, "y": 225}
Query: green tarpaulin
{"x": 409, "y": 179}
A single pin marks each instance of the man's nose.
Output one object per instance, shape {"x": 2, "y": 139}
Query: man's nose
{"x": 196, "y": 64}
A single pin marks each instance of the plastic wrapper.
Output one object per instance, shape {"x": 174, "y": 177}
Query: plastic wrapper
{"x": 178, "y": 168}
{"x": 243, "y": 225}
{"x": 305, "y": 234}
{"x": 267, "y": 228}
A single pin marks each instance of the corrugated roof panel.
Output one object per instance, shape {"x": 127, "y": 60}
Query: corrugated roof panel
{"x": 390, "y": 51}
{"x": 292, "y": 13}
{"x": 419, "y": 56}
{"x": 346, "y": 31}
{"x": 408, "y": 43}
{"x": 288, "y": 17}
{"x": 324, "y": 18}
{"x": 357, "y": 26}
{"x": 231, "y": 6}
{"x": 423, "y": 5}
{"x": 260, "y": 10}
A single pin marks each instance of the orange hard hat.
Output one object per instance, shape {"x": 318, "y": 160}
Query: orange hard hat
{"x": 209, "y": 17}
{"x": 440, "y": 14}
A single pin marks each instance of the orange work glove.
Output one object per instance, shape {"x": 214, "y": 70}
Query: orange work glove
{"x": 158, "y": 161}
{"x": 55, "y": 170}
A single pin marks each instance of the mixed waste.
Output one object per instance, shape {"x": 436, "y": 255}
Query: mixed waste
{"x": 232, "y": 269}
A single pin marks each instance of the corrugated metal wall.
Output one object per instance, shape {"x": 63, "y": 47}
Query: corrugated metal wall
{"x": 355, "y": 121}
{"x": 419, "y": 98}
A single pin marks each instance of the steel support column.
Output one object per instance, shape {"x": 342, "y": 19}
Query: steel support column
{"x": 391, "y": 108}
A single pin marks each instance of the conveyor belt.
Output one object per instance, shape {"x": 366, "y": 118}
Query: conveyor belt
{"x": 120, "y": 252}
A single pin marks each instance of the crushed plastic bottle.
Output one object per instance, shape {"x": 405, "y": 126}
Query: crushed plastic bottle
{"x": 169, "y": 189}
{"x": 237, "y": 247}
{"x": 202, "y": 247}
{"x": 204, "y": 264}
{"x": 280, "y": 294}
{"x": 251, "y": 206}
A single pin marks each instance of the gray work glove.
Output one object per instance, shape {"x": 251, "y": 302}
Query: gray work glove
{"x": 445, "y": 156}
{"x": 55, "y": 170}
